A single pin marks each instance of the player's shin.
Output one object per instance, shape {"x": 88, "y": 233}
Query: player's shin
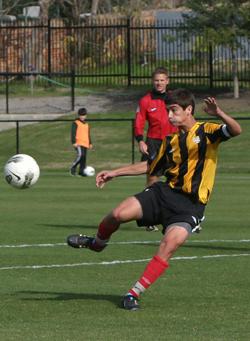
{"x": 152, "y": 272}
{"x": 105, "y": 230}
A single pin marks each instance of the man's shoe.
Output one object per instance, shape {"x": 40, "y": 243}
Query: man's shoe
{"x": 152, "y": 228}
{"x": 82, "y": 241}
{"x": 72, "y": 171}
{"x": 130, "y": 302}
{"x": 82, "y": 174}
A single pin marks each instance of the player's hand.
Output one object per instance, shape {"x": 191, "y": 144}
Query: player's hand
{"x": 75, "y": 145}
{"x": 143, "y": 147}
{"x": 103, "y": 177}
{"x": 211, "y": 107}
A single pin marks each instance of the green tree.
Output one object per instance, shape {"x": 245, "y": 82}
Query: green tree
{"x": 15, "y": 7}
{"x": 223, "y": 22}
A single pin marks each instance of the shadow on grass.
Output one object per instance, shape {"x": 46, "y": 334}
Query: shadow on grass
{"x": 76, "y": 226}
{"x": 71, "y": 226}
{"x": 67, "y": 296}
{"x": 214, "y": 247}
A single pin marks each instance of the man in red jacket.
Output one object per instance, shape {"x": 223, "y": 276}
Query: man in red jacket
{"x": 152, "y": 109}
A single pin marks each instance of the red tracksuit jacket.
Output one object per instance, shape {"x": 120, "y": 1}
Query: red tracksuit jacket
{"x": 153, "y": 110}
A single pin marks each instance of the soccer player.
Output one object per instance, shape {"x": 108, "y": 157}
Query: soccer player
{"x": 152, "y": 109}
{"x": 189, "y": 158}
{"x": 81, "y": 141}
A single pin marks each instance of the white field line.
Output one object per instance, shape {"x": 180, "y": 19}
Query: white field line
{"x": 118, "y": 261}
{"x": 115, "y": 262}
{"x": 3, "y": 246}
{"x": 32, "y": 245}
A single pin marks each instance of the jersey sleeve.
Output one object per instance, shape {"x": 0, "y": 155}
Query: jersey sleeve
{"x": 217, "y": 132}
{"x": 140, "y": 119}
{"x": 161, "y": 160}
{"x": 73, "y": 132}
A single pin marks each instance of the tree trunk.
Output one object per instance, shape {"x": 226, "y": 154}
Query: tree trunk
{"x": 44, "y": 4}
{"x": 94, "y": 7}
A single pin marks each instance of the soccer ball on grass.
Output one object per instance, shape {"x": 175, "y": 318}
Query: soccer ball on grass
{"x": 21, "y": 171}
{"x": 89, "y": 171}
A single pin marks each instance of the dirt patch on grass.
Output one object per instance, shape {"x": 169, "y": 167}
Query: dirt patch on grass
{"x": 128, "y": 102}
{"x": 228, "y": 103}
{"x": 112, "y": 101}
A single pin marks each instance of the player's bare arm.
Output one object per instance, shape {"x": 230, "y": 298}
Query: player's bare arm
{"x": 213, "y": 109}
{"x": 133, "y": 169}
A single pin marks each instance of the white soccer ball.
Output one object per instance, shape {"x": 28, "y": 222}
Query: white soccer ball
{"x": 89, "y": 171}
{"x": 21, "y": 171}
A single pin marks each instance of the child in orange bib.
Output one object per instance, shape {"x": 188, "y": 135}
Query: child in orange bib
{"x": 81, "y": 141}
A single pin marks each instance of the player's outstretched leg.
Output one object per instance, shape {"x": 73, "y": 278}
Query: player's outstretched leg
{"x": 127, "y": 210}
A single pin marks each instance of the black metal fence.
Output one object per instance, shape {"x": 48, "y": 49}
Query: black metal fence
{"x": 118, "y": 52}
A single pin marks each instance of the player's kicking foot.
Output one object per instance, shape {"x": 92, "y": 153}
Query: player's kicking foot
{"x": 130, "y": 302}
{"x": 82, "y": 241}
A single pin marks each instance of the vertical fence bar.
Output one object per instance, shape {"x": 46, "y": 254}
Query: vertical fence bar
{"x": 132, "y": 141}
{"x": 17, "y": 138}
{"x": 49, "y": 48}
{"x": 211, "y": 71}
{"x": 128, "y": 52}
{"x": 7, "y": 93}
{"x": 7, "y": 79}
{"x": 72, "y": 85}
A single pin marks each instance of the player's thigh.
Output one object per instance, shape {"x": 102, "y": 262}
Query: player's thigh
{"x": 128, "y": 209}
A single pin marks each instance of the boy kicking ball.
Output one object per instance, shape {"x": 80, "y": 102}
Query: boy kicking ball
{"x": 188, "y": 158}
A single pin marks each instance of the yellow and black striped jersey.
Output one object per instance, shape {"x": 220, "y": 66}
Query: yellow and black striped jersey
{"x": 189, "y": 159}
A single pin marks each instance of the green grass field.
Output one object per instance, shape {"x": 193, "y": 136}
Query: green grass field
{"x": 52, "y": 292}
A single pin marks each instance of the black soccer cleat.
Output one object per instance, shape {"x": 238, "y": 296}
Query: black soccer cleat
{"x": 130, "y": 302}
{"x": 81, "y": 174}
{"x": 79, "y": 241}
{"x": 152, "y": 228}
{"x": 72, "y": 171}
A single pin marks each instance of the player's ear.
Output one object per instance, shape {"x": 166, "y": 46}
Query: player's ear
{"x": 189, "y": 110}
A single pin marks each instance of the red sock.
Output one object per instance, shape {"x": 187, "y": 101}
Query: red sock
{"x": 105, "y": 231}
{"x": 153, "y": 270}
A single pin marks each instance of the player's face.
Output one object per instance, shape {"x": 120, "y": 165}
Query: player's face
{"x": 160, "y": 82}
{"x": 82, "y": 117}
{"x": 177, "y": 115}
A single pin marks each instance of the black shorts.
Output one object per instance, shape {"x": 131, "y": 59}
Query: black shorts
{"x": 163, "y": 205}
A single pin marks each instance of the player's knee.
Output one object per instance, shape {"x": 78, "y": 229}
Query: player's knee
{"x": 117, "y": 215}
{"x": 170, "y": 245}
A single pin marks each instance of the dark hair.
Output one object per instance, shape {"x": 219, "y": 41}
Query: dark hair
{"x": 82, "y": 111}
{"x": 160, "y": 70}
{"x": 183, "y": 98}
